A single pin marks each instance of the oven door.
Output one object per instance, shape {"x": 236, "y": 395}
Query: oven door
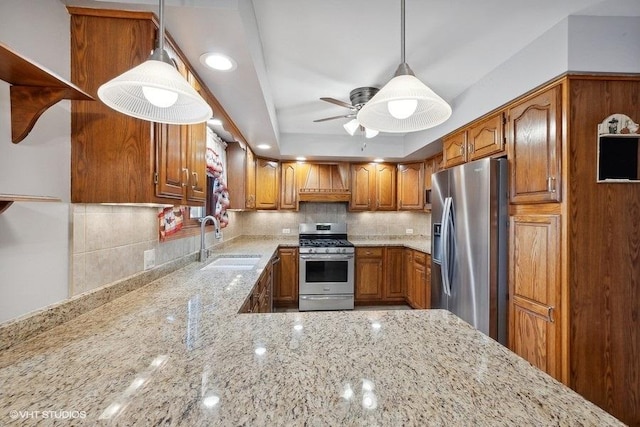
{"x": 330, "y": 274}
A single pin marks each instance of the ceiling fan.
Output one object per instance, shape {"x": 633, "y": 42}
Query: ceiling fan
{"x": 358, "y": 97}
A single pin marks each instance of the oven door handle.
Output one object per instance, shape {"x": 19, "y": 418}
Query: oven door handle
{"x": 331, "y": 257}
{"x": 325, "y": 298}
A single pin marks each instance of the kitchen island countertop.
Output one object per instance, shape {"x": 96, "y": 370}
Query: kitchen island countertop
{"x": 176, "y": 352}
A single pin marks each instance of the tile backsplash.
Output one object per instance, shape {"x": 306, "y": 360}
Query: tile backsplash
{"x": 108, "y": 242}
{"x": 382, "y": 224}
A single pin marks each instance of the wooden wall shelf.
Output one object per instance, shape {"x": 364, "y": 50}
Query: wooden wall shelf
{"x": 7, "y": 200}
{"x": 34, "y": 89}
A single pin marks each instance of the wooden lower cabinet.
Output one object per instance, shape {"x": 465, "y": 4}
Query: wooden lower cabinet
{"x": 534, "y": 286}
{"x": 417, "y": 268}
{"x": 285, "y": 287}
{"x": 369, "y": 274}
{"x": 394, "y": 286}
{"x": 260, "y": 300}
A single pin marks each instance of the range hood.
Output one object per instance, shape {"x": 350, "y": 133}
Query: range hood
{"x": 324, "y": 182}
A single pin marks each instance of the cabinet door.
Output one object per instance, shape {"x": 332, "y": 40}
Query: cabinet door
{"x": 197, "y": 164}
{"x": 369, "y": 274}
{"x": 535, "y": 138}
{"x": 394, "y": 284}
{"x": 534, "y": 283}
{"x": 407, "y": 265}
{"x": 171, "y": 160}
{"x": 385, "y": 188}
{"x": 454, "y": 149}
{"x": 363, "y": 183}
{"x": 288, "y": 185}
{"x": 486, "y": 138}
{"x": 250, "y": 180}
{"x": 266, "y": 184}
{"x": 410, "y": 186}
{"x": 236, "y": 175}
{"x": 419, "y": 282}
{"x": 285, "y": 291}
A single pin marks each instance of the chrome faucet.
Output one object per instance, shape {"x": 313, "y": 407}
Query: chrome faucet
{"x": 204, "y": 253}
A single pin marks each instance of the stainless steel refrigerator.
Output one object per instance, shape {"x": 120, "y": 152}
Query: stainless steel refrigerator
{"x": 469, "y": 244}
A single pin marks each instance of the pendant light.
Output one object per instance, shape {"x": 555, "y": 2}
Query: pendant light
{"x": 155, "y": 90}
{"x": 405, "y": 104}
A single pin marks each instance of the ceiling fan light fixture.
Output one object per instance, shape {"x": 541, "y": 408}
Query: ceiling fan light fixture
{"x": 155, "y": 91}
{"x": 351, "y": 126}
{"x": 404, "y": 104}
{"x": 370, "y": 133}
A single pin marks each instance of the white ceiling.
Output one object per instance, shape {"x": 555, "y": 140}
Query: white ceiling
{"x": 292, "y": 52}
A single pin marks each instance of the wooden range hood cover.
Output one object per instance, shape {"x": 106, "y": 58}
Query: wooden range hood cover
{"x": 325, "y": 183}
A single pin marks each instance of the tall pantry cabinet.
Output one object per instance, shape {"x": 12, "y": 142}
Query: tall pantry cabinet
{"x": 574, "y": 258}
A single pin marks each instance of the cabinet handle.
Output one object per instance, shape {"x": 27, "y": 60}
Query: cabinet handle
{"x": 550, "y": 314}
{"x": 461, "y": 149}
{"x": 368, "y": 202}
{"x": 186, "y": 176}
{"x": 471, "y": 148}
{"x": 551, "y": 188}
{"x": 195, "y": 175}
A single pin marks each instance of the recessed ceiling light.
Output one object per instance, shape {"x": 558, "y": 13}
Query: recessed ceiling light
{"x": 218, "y": 61}
{"x": 264, "y": 146}
{"x": 214, "y": 122}
{"x": 378, "y": 160}
{"x": 301, "y": 159}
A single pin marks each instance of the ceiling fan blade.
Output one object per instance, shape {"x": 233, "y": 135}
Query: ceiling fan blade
{"x": 338, "y": 102}
{"x": 347, "y": 116}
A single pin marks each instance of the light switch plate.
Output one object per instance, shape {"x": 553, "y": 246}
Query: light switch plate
{"x": 409, "y": 231}
{"x": 149, "y": 259}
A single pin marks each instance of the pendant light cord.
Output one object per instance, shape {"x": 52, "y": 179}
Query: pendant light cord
{"x": 161, "y": 32}
{"x": 402, "y": 56}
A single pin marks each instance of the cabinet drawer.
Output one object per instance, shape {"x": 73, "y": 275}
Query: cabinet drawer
{"x": 369, "y": 252}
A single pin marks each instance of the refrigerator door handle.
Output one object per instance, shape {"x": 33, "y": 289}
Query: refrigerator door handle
{"x": 447, "y": 225}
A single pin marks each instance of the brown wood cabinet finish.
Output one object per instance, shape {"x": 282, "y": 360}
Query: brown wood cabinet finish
{"x": 394, "y": 288}
{"x": 535, "y": 147}
{"x": 116, "y": 158}
{"x": 431, "y": 166}
{"x": 288, "y": 185}
{"x": 534, "y": 286}
{"x": 266, "y": 177}
{"x": 373, "y": 187}
{"x": 604, "y": 255}
{"x": 417, "y": 271}
{"x": 411, "y": 186}
{"x": 286, "y": 287}
{"x": 241, "y": 177}
{"x": 486, "y": 137}
{"x": 454, "y": 149}
{"x": 369, "y": 274}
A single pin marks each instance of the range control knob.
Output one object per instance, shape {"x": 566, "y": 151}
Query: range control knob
{"x": 311, "y": 250}
{"x": 327, "y": 250}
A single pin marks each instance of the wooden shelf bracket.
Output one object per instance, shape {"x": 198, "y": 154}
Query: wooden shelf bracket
{"x": 34, "y": 89}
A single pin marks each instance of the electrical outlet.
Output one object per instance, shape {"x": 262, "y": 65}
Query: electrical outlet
{"x": 149, "y": 259}
{"x": 286, "y": 231}
{"x": 408, "y": 231}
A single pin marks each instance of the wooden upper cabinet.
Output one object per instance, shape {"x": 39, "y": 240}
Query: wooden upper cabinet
{"x": 534, "y": 286}
{"x": 385, "y": 187}
{"x": 289, "y": 185}
{"x": 266, "y": 178}
{"x": 363, "y": 181}
{"x": 454, "y": 149}
{"x": 411, "y": 186}
{"x": 373, "y": 187}
{"x": 116, "y": 158}
{"x": 241, "y": 177}
{"x": 486, "y": 137}
{"x": 534, "y": 146}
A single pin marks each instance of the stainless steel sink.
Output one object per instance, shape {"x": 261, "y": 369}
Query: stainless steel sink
{"x": 233, "y": 263}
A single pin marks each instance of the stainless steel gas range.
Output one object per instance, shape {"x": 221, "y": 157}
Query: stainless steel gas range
{"x": 326, "y": 267}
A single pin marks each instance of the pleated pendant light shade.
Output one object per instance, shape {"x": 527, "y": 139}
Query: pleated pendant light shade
{"x": 156, "y": 91}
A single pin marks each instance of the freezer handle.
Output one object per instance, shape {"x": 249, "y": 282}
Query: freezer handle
{"x": 447, "y": 230}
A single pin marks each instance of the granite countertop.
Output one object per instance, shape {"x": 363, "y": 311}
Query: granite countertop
{"x": 417, "y": 243}
{"x": 176, "y": 352}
